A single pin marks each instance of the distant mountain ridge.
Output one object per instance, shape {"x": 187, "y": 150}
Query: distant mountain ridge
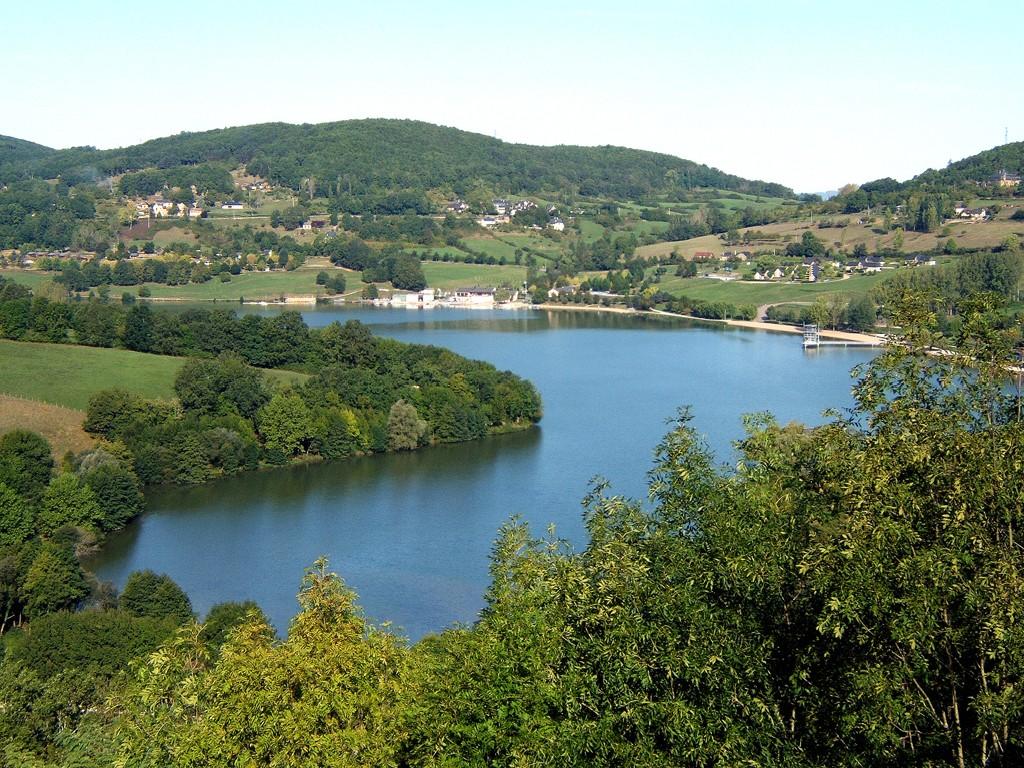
{"x": 386, "y": 154}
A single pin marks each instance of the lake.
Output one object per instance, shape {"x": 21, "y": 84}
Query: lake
{"x": 411, "y": 533}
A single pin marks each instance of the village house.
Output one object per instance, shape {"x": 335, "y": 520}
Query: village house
{"x": 703, "y": 256}
{"x": 457, "y": 206}
{"x": 501, "y": 206}
{"x": 974, "y": 214}
{"x": 492, "y": 221}
{"x": 232, "y": 205}
{"x": 195, "y": 212}
{"x": 556, "y": 224}
{"x": 811, "y": 268}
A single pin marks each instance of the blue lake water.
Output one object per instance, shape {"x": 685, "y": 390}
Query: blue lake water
{"x": 411, "y": 533}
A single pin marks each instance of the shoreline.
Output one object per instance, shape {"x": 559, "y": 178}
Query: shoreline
{"x": 751, "y": 325}
{"x": 873, "y": 340}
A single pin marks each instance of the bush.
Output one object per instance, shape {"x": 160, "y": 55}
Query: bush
{"x": 155, "y": 596}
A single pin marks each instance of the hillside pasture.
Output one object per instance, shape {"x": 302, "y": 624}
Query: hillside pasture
{"x": 747, "y": 292}
{"x": 987, "y": 234}
{"x": 62, "y": 427}
{"x": 253, "y": 286}
{"x": 68, "y": 375}
{"x": 449, "y": 275}
{"x": 29, "y": 277}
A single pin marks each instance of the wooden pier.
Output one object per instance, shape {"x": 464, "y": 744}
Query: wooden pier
{"x": 813, "y": 340}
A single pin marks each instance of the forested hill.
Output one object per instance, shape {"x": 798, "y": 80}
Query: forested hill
{"x": 20, "y": 152}
{"x": 357, "y": 155}
{"x": 980, "y": 167}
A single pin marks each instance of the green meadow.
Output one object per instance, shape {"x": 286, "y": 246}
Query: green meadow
{"x": 68, "y": 375}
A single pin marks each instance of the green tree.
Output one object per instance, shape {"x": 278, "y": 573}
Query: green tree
{"x": 68, "y": 501}
{"x": 25, "y": 462}
{"x": 17, "y": 518}
{"x": 223, "y": 618}
{"x": 155, "y": 596}
{"x": 285, "y": 423}
{"x": 138, "y": 329}
{"x": 329, "y": 694}
{"x": 117, "y": 492}
{"x": 54, "y": 581}
{"x": 860, "y": 314}
{"x": 406, "y": 429}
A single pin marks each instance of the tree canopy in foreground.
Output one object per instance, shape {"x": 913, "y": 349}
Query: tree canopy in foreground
{"x": 849, "y": 595}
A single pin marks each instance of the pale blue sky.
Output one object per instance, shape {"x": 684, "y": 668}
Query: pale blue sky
{"x": 809, "y": 94}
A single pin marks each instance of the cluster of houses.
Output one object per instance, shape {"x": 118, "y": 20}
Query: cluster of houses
{"x": 505, "y": 211}
{"x": 257, "y": 186}
{"x": 504, "y": 207}
{"x": 30, "y": 258}
{"x": 961, "y": 211}
{"x": 159, "y": 208}
{"x": 472, "y": 298}
{"x": 809, "y": 269}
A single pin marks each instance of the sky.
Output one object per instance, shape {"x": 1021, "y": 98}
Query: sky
{"x": 812, "y": 95}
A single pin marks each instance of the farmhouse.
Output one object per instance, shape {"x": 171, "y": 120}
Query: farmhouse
{"x": 457, "y": 206}
{"x": 556, "y": 224}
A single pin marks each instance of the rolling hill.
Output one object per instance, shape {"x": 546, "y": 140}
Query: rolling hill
{"x": 360, "y": 155}
{"x": 979, "y": 167}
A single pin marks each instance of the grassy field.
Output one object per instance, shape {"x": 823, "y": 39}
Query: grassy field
{"x": 26, "y": 277}
{"x": 68, "y": 375}
{"x": 967, "y": 235}
{"x": 590, "y": 230}
{"x": 449, "y": 250}
{"x": 449, "y": 275}
{"x": 62, "y": 427}
{"x": 490, "y": 246}
{"x": 251, "y": 285}
{"x": 537, "y": 242}
{"x": 736, "y": 292}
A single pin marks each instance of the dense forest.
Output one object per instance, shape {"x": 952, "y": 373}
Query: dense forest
{"x": 363, "y": 155}
{"x": 848, "y": 595}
